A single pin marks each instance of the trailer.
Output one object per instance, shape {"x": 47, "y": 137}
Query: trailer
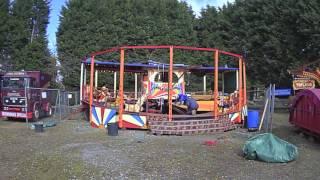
{"x": 304, "y": 111}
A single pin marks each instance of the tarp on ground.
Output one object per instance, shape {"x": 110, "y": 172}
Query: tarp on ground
{"x": 269, "y": 148}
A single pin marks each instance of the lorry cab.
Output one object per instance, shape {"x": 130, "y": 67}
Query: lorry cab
{"x": 22, "y": 95}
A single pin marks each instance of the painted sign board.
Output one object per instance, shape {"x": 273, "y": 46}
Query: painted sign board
{"x": 303, "y": 84}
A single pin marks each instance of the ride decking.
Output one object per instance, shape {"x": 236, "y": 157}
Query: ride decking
{"x": 195, "y": 125}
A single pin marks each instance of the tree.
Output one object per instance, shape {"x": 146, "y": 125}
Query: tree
{"x": 88, "y": 26}
{"x": 27, "y": 35}
{"x": 4, "y": 28}
{"x": 277, "y": 35}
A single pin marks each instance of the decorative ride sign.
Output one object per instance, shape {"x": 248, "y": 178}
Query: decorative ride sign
{"x": 303, "y": 84}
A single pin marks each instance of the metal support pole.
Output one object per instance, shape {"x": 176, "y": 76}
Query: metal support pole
{"x": 272, "y": 106}
{"x": 76, "y": 98}
{"x": 170, "y": 83}
{"x": 96, "y": 79}
{"x": 135, "y": 86}
{"x": 204, "y": 84}
{"x": 244, "y": 84}
{"x": 91, "y": 87}
{"x": 60, "y": 115}
{"x": 68, "y": 102}
{"x": 81, "y": 82}
{"x": 240, "y": 88}
{"x": 237, "y": 79}
{"x": 115, "y": 84}
{"x": 85, "y": 77}
{"x": 222, "y": 79}
{"x": 56, "y": 105}
{"x": 267, "y": 120}
{"x": 85, "y": 83}
{"x": 216, "y": 79}
{"x": 121, "y": 87}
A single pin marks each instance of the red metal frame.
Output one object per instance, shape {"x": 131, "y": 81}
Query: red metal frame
{"x": 242, "y": 74}
{"x": 244, "y": 84}
{"x": 121, "y": 103}
{"x": 91, "y": 87}
{"x": 170, "y": 83}
{"x": 240, "y": 87}
{"x": 165, "y": 47}
{"x": 216, "y": 79}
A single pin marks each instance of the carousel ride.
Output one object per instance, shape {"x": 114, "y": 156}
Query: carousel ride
{"x": 163, "y": 104}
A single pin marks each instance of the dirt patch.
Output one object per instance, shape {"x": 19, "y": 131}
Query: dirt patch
{"x": 73, "y": 150}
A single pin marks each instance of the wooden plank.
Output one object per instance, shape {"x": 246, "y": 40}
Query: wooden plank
{"x": 263, "y": 114}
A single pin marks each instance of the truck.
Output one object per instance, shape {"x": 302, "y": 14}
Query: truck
{"x": 24, "y": 94}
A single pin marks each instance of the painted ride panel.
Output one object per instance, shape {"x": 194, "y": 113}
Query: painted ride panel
{"x": 102, "y": 116}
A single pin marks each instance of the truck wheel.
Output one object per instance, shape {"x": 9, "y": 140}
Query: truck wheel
{"x": 36, "y": 113}
{"x": 49, "y": 112}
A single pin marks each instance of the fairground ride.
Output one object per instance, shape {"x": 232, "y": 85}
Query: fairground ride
{"x": 154, "y": 107}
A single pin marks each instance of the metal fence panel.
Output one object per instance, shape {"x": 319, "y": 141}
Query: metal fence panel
{"x": 63, "y": 103}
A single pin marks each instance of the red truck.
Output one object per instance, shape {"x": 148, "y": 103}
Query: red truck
{"x": 24, "y": 95}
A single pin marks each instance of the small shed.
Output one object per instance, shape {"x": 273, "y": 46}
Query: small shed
{"x": 305, "y": 110}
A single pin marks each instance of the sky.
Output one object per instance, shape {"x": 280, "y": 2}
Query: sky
{"x": 56, "y": 5}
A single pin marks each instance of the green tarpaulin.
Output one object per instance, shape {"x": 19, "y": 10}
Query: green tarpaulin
{"x": 269, "y": 148}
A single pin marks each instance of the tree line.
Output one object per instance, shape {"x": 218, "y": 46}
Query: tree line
{"x": 23, "y": 41}
{"x": 273, "y": 35}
